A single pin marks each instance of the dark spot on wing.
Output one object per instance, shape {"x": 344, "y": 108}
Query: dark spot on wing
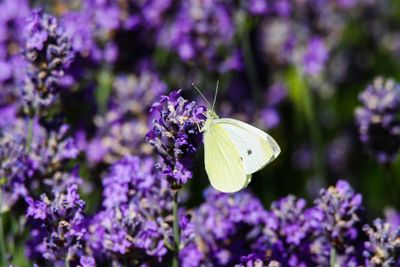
{"x": 249, "y": 152}
{"x": 241, "y": 159}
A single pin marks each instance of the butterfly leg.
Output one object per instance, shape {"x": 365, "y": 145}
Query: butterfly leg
{"x": 201, "y": 129}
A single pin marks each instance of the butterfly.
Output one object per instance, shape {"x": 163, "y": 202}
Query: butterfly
{"x": 234, "y": 150}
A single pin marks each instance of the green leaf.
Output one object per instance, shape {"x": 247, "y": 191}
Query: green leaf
{"x": 298, "y": 90}
{"x": 103, "y": 92}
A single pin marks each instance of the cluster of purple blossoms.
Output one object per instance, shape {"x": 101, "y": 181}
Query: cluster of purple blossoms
{"x": 176, "y": 136}
{"x": 12, "y": 16}
{"x": 303, "y": 34}
{"x": 337, "y": 213}
{"x": 288, "y": 232}
{"x": 13, "y": 169}
{"x": 226, "y": 227}
{"x": 130, "y": 96}
{"x": 48, "y": 52}
{"x": 29, "y": 163}
{"x": 199, "y": 30}
{"x": 58, "y": 226}
{"x": 134, "y": 226}
{"x": 236, "y": 229}
{"x": 377, "y": 119}
{"x": 51, "y": 147}
{"x": 86, "y": 28}
{"x": 383, "y": 245}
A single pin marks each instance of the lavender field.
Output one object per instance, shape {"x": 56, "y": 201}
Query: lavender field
{"x": 102, "y": 132}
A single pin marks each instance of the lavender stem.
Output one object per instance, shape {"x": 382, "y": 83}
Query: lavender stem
{"x": 30, "y": 135}
{"x": 244, "y": 37}
{"x": 332, "y": 260}
{"x": 3, "y": 251}
{"x": 175, "y": 262}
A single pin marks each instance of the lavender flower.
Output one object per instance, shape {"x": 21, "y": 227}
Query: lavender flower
{"x": 58, "y": 227}
{"x": 148, "y": 14}
{"x": 52, "y": 148}
{"x": 23, "y": 169}
{"x": 132, "y": 96}
{"x": 377, "y": 119}
{"x": 392, "y": 217}
{"x": 78, "y": 28}
{"x": 257, "y": 7}
{"x": 288, "y": 232}
{"x": 337, "y": 213}
{"x": 12, "y": 16}
{"x": 176, "y": 136}
{"x": 13, "y": 169}
{"x": 48, "y": 52}
{"x": 199, "y": 32}
{"x": 383, "y": 245}
{"x": 133, "y": 226}
{"x": 257, "y": 260}
{"x": 315, "y": 56}
{"x": 238, "y": 218}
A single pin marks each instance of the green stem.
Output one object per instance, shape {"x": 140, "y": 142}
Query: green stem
{"x": 3, "y": 250}
{"x": 251, "y": 71}
{"x": 29, "y": 138}
{"x": 333, "y": 260}
{"x": 175, "y": 262}
{"x": 315, "y": 134}
{"x": 67, "y": 262}
{"x": 391, "y": 182}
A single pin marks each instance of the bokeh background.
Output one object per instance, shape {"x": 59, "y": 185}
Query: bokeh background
{"x": 294, "y": 68}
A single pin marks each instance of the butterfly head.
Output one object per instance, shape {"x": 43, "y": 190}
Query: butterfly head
{"x": 211, "y": 114}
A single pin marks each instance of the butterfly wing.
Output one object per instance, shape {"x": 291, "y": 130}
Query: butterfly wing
{"x": 256, "y": 148}
{"x": 223, "y": 162}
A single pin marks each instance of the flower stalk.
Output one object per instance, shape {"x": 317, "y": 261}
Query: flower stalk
{"x": 176, "y": 230}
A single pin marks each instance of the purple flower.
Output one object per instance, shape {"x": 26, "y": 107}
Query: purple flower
{"x": 279, "y": 40}
{"x": 48, "y": 51}
{"x": 27, "y": 170}
{"x": 199, "y": 32}
{"x": 78, "y": 27}
{"x": 12, "y": 17}
{"x": 315, "y": 56}
{"x": 14, "y": 167}
{"x": 148, "y": 14}
{"x": 176, "y": 136}
{"x": 238, "y": 218}
{"x": 377, "y": 119}
{"x": 131, "y": 178}
{"x": 270, "y": 118}
{"x": 133, "y": 226}
{"x": 337, "y": 214}
{"x": 383, "y": 245}
{"x": 86, "y": 261}
{"x": 275, "y": 94}
{"x": 131, "y": 98}
{"x": 287, "y": 233}
{"x": 283, "y": 8}
{"x": 257, "y": 7}
{"x": 52, "y": 148}
{"x": 36, "y": 209}
{"x": 392, "y": 217}
{"x": 57, "y": 225}
{"x": 257, "y": 260}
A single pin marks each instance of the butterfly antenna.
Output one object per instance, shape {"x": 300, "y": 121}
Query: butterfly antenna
{"x": 215, "y": 96}
{"x": 198, "y": 90}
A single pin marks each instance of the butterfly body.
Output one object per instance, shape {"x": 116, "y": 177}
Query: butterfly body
{"x": 233, "y": 150}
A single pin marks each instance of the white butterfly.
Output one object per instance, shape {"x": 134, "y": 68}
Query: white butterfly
{"x": 233, "y": 150}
